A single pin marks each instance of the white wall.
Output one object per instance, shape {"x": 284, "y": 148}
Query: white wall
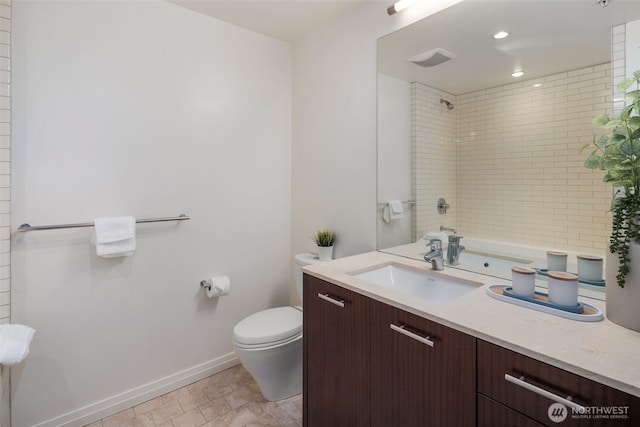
{"x": 334, "y": 125}
{"x": 394, "y": 158}
{"x": 144, "y": 109}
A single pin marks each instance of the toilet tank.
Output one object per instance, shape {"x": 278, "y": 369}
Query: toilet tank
{"x": 301, "y": 260}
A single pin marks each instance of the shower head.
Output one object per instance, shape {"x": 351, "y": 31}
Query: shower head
{"x": 448, "y": 104}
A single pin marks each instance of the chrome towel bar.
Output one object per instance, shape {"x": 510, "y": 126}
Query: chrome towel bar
{"x": 409, "y": 202}
{"x": 27, "y": 227}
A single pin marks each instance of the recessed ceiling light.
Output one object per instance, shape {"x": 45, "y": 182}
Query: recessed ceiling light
{"x": 500, "y": 35}
{"x": 517, "y": 74}
{"x": 537, "y": 85}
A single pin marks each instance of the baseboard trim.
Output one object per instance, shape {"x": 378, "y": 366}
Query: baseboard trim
{"x": 112, "y": 405}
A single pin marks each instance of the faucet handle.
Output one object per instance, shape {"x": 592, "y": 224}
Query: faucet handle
{"x": 435, "y": 244}
{"x": 454, "y": 238}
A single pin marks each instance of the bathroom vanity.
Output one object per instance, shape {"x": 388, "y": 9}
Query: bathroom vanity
{"x": 375, "y": 356}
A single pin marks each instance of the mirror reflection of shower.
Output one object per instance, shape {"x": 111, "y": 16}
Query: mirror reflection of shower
{"x": 447, "y": 103}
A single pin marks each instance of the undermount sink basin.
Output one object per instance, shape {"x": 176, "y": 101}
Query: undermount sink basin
{"x": 421, "y": 285}
{"x": 495, "y": 263}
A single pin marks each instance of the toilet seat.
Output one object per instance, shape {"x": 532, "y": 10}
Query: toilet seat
{"x": 274, "y": 326}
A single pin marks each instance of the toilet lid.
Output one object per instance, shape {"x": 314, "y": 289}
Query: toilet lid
{"x": 274, "y": 324}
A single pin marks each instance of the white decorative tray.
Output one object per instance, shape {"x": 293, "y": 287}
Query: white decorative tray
{"x": 540, "y": 302}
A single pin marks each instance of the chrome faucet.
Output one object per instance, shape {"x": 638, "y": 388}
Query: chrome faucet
{"x": 454, "y": 250}
{"x": 443, "y": 228}
{"x": 435, "y": 256}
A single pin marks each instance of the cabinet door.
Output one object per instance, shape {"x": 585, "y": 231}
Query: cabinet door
{"x": 336, "y": 356}
{"x": 492, "y": 414}
{"x": 531, "y": 387}
{"x": 422, "y": 373}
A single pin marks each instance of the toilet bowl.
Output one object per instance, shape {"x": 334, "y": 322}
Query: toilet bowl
{"x": 269, "y": 344}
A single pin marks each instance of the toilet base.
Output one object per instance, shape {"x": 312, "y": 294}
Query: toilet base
{"x": 277, "y": 370}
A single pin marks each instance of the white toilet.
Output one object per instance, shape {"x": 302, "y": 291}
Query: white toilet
{"x": 269, "y": 344}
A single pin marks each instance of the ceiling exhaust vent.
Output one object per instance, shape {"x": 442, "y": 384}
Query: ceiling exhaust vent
{"x": 432, "y": 57}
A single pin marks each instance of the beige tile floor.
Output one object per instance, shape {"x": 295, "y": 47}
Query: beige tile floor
{"x": 229, "y": 398}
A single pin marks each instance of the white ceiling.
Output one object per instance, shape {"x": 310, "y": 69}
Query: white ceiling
{"x": 546, "y": 37}
{"x": 284, "y": 20}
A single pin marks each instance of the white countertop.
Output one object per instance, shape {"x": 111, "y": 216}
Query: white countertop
{"x": 601, "y": 351}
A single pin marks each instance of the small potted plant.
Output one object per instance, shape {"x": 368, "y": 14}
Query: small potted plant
{"x": 324, "y": 239}
{"x": 618, "y": 153}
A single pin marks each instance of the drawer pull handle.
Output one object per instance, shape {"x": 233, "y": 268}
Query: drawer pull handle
{"x": 522, "y": 383}
{"x": 326, "y": 297}
{"x": 404, "y": 331}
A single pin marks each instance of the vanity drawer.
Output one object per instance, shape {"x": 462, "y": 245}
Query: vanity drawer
{"x": 492, "y": 414}
{"x": 529, "y": 386}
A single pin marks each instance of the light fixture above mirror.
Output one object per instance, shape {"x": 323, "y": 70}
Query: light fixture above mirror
{"x": 399, "y": 6}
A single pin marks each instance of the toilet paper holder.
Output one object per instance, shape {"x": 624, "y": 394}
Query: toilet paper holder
{"x": 216, "y": 286}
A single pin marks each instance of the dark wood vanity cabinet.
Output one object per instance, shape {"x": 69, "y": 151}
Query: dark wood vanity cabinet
{"x": 494, "y": 414}
{"x": 367, "y": 363}
{"x": 422, "y": 373}
{"x": 525, "y": 385}
{"x": 336, "y": 373}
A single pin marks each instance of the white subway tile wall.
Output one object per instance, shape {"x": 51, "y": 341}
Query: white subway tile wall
{"x": 618, "y": 64}
{"x": 5, "y": 195}
{"x": 5, "y": 160}
{"x": 517, "y": 151}
{"x": 433, "y": 158}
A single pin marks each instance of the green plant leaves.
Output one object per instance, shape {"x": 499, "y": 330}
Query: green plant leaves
{"x": 613, "y": 123}
{"x": 619, "y": 155}
{"x": 616, "y": 138}
{"x": 626, "y": 148}
{"x": 606, "y": 141}
{"x": 632, "y": 96}
{"x": 605, "y": 122}
{"x": 626, "y": 83}
{"x": 593, "y": 161}
{"x": 601, "y": 120}
{"x": 626, "y": 229}
{"x": 324, "y": 237}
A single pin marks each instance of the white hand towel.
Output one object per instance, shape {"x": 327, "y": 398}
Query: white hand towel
{"x": 115, "y": 237}
{"x": 385, "y": 213}
{"x": 395, "y": 209}
{"x": 14, "y": 343}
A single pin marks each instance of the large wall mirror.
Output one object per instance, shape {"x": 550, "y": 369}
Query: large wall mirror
{"x": 503, "y": 152}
